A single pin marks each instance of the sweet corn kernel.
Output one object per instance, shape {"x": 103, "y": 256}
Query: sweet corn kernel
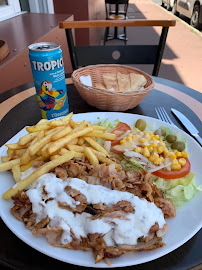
{"x": 182, "y": 161}
{"x": 156, "y": 155}
{"x": 150, "y": 148}
{"x": 122, "y": 141}
{"x": 156, "y": 136}
{"x": 138, "y": 149}
{"x": 172, "y": 155}
{"x": 160, "y": 149}
{"x": 128, "y": 139}
{"x": 175, "y": 161}
{"x": 153, "y": 145}
{"x": 184, "y": 154}
{"x": 176, "y": 167}
{"x": 133, "y": 137}
{"x": 162, "y": 159}
{"x": 142, "y": 140}
{"x": 146, "y": 152}
{"x": 157, "y": 161}
{"x": 175, "y": 151}
{"x": 152, "y": 158}
{"x": 145, "y": 145}
{"x": 178, "y": 154}
{"x": 165, "y": 152}
{"x": 161, "y": 140}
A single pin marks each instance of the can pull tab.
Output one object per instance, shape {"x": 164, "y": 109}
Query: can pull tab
{"x": 43, "y": 47}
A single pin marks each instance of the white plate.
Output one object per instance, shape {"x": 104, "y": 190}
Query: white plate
{"x": 184, "y": 226}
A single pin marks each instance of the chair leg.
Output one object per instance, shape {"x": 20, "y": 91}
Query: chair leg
{"x": 105, "y": 35}
{"x": 125, "y": 40}
{"x": 115, "y": 32}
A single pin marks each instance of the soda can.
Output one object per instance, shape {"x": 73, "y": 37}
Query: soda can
{"x": 49, "y": 79}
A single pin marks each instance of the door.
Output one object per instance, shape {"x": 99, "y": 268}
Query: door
{"x": 184, "y": 7}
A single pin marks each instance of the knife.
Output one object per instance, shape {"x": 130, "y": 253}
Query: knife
{"x": 188, "y": 125}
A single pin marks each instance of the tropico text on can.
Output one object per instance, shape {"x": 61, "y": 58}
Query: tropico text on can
{"x": 49, "y": 79}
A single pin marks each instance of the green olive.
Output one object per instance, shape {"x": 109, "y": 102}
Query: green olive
{"x": 171, "y": 138}
{"x": 160, "y": 132}
{"x": 140, "y": 124}
{"x": 180, "y": 146}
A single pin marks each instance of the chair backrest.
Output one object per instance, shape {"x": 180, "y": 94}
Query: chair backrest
{"x": 124, "y": 54}
{"x": 108, "y": 7}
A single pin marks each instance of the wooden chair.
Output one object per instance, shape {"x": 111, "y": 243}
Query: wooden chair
{"x": 117, "y": 54}
{"x": 117, "y": 14}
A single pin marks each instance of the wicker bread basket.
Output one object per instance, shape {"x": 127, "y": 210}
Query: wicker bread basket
{"x": 106, "y": 99}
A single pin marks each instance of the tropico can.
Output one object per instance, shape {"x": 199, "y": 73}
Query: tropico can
{"x": 49, "y": 79}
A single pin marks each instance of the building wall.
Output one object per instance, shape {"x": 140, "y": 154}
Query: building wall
{"x": 82, "y": 11}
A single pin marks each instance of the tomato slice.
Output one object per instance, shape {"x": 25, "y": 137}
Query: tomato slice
{"x": 116, "y": 151}
{"x": 119, "y": 130}
{"x": 174, "y": 174}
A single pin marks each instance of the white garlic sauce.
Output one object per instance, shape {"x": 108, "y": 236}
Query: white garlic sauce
{"x": 116, "y": 230}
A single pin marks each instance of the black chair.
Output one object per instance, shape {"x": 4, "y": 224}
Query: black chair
{"x": 120, "y": 13}
{"x": 117, "y": 54}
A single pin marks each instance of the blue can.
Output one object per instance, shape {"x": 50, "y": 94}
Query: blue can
{"x": 49, "y": 79}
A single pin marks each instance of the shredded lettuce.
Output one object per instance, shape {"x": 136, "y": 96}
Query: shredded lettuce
{"x": 131, "y": 164}
{"x": 106, "y": 123}
{"x": 180, "y": 190}
{"x": 150, "y": 127}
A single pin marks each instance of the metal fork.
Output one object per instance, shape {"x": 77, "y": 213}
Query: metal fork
{"x": 163, "y": 116}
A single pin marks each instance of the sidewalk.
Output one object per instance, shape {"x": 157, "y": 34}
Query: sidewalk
{"x": 182, "y": 59}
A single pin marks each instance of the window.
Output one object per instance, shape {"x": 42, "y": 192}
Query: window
{"x": 9, "y": 8}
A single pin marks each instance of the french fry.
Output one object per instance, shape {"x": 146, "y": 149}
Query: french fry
{"x": 79, "y": 155}
{"x": 10, "y": 152}
{"x": 36, "y": 174}
{"x": 27, "y": 138}
{"x": 74, "y": 141}
{"x": 60, "y": 134}
{"x": 54, "y": 157}
{"x": 99, "y": 127}
{"x": 44, "y": 152}
{"x": 34, "y": 148}
{"x": 91, "y": 156}
{"x": 25, "y": 167}
{"x": 49, "y": 131}
{"x": 72, "y": 123}
{"x": 16, "y": 173}
{"x": 15, "y": 146}
{"x": 56, "y": 123}
{"x": 32, "y": 129}
{"x": 42, "y": 122}
{"x": 9, "y": 164}
{"x": 38, "y": 154}
{"x": 80, "y": 141}
{"x": 67, "y": 118}
{"x": 26, "y": 157}
{"x": 63, "y": 141}
{"x": 98, "y": 152}
{"x": 101, "y": 134}
{"x": 76, "y": 148}
{"x": 63, "y": 151}
{"x": 5, "y": 158}
{"x": 80, "y": 126}
{"x": 96, "y": 145}
{"x": 20, "y": 152}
